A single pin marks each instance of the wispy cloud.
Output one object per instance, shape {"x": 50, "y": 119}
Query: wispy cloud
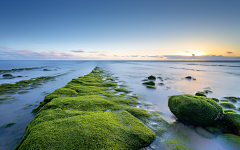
{"x": 78, "y": 51}
{"x": 229, "y": 52}
{"x": 4, "y": 48}
{"x": 203, "y": 57}
{"x": 94, "y": 52}
{"x": 30, "y": 55}
{"x": 102, "y": 55}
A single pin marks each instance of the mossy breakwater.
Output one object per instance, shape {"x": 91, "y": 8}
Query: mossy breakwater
{"x": 87, "y": 113}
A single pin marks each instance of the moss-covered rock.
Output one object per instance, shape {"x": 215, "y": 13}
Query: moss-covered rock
{"x": 9, "y": 124}
{"x": 230, "y": 141}
{"x": 150, "y": 86}
{"x": 233, "y": 99}
{"x": 151, "y": 77}
{"x": 173, "y": 144}
{"x": 227, "y": 105}
{"x": 149, "y": 83}
{"x": 122, "y": 90}
{"x": 200, "y": 94}
{"x": 232, "y": 121}
{"x": 229, "y": 111}
{"x": 215, "y": 99}
{"x": 196, "y": 110}
{"x": 7, "y": 75}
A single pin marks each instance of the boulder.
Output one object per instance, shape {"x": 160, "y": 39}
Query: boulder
{"x": 195, "y": 110}
{"x": 232, "y": 121}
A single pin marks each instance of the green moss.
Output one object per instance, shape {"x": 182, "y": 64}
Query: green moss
{"x": 233, "y": 99}
{"x": 22, "y": 92}
{"x": 215, "y": 99}
{"x": 12, "y": 88}
{"x": 122, "y": 90}
{"x": 200, "y": 94}
{"x": 232, "y": 121}
{"x": 9, "y": 124}
{"x": 151, "y": 77}
{"x": 149, "y": 83}
{"x": 196, "y": 110}
{"x": 230, "y": 141}
{"x": 7, "y": 75}
{"x": 174, "y": 145}
{"x": 150, "y": 86}
{"x": 227, "y": 105}
{"x": 86, "y": 114}
{"x": 229, "y": 111}
{"x": 224, "y": 100}
{"x": 27, "y": 106}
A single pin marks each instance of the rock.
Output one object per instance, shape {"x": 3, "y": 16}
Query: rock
{"x": 149, "y": 83}
{"x": 19, "y": 76}
{"x": 151, "y": 77}
{"x": 7, "y": 75}
{"x": 215, "y": 99}
{"x": 200, "y": 94}
{"x": 225, "y": 111}
{"x": 150, "y": 86}
{"x": 195, "y": 110}
{"x": 230, "y": 141}
{"x": 161, "y": 84}
{"x": 145, "y": 80}
{"x": 227, "y": 105}
{"x": 233, "y": 99}
{"x": 190, "y": 78}
{"x": 232, "y": 121}
{"x": 46, "y": 70}
{"x": 207, "y": 91}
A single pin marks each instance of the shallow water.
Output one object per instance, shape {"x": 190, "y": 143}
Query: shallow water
{"x": 223, "y": 78}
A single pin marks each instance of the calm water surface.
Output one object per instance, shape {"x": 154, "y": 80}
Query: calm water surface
{"x": 222, "y": 78}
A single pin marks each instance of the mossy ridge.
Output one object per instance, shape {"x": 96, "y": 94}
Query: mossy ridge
{"x": 229, "y": 111}
{"x": 12, "y": 88}
{"x": 85, "y": 114}
{"x": 122, "y": 90}
{"x": 20, "y": 69}
{"x": 227, "y": 105}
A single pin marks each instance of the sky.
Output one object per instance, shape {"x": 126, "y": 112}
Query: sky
{"x": 119, "y": 30}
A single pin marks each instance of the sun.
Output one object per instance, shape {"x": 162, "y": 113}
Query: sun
{"x": 193, "y": 52}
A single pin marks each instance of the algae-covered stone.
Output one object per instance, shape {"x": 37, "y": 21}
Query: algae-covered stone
{"x": 227, "y": 105}
{"x": 200, "y": 94}
{"x": 100, "y": 130}
{"x": 196, "y": 110}
{"x": 232, "y": 121}
{"x": 7, "y": 75}
{"x": 122, "y": 90}
{"x": 229, "y": 111}
{"x": 230, "y": 141}
{"x": 215, "y": 99}
{"x": 172, "y": 144}
{"x": 151, "y": 77}
{"x": 149, "y": 83}
{"x": 152, "y": 87}
{"x": 233, "y": 99}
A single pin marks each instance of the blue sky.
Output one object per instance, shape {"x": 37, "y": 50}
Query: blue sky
{"x": 125, "y": 29}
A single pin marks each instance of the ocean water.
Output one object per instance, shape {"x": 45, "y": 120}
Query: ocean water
{"x": 222, "y": 78}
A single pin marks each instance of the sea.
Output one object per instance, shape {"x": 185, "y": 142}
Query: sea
{"x": 222, "y": 78}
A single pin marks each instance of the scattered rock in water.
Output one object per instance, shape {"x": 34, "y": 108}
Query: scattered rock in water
{"x": 233, "y": 99}
{"x": 224, "y": 100}
{"x": 207, "y": 91}
{"x": 19, "y": 76}
{"x": 232, "y": 121}
{"x": 215, "y": 99}
{"x": 229, "y": 111}
{"x": 7, "y": 75}
{"x": 151, "y": 77}
{"x": 9, "y": 124}
{"x": 230, "y": 141}
{"x": 200, "y": 94}
{"x": 190, "y": 78}
{"x": 46, "y": 70}
{"x": 150, "y": 86}
{"x": 145, "y": 80}
{"x": 195, "y": 110}
{"x": 227, "y": 105}
{"x": 162, "y": 84}
{"x": 149, "y": 83}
